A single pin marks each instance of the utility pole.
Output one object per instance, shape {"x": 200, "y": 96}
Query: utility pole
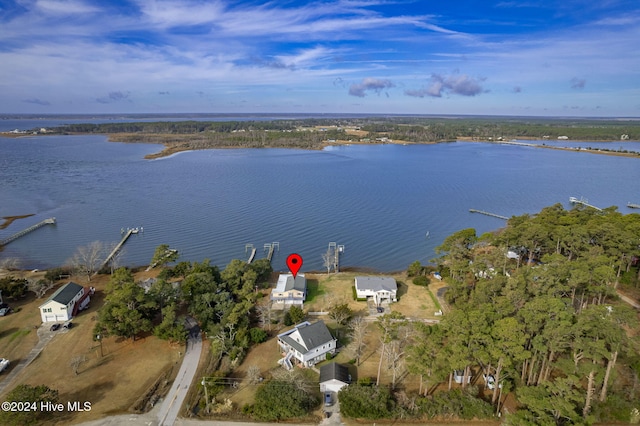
{"x": 99, "y": 338}
{"x": 206, "y": 394}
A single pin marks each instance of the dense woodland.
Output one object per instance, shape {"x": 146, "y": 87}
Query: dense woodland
{"x": 221, "y": 303}
{"x": 312, "y": 133}
{"x": 546, "y": 321}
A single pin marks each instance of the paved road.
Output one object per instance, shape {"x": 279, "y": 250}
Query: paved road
{"x": 629, "y": 300}
{"x": 172, "y": 403}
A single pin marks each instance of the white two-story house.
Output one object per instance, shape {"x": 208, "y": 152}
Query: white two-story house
{"x": 65, "y": 303}
{"x": 377, "y": 288}
{"x": 306, "y": 344}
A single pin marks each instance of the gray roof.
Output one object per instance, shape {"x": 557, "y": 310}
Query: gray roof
{"x": 376, "y": 283}
{"x": 313, "y": 335}
{"x": 286, "y": 283}
{"x": 66, "y": 293}
{"x": 334, "y": 371}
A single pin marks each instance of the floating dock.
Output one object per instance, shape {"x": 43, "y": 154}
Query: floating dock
{"x": 488, "y": 214}
{"x": 49, "y": 221}
{"x": 574, "y": 200}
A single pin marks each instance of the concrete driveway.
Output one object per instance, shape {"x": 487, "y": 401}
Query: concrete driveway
{"x": 44, "y": 337}
{"x": 334, "y": 412}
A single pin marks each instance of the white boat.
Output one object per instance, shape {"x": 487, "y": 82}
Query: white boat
{"x": 633, "y": 205}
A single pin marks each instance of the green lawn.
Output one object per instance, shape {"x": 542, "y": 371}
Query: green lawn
{"x": 314, "y": 291}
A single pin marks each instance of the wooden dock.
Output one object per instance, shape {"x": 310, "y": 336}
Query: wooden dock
{"x": 574, "y": 200}
{"x": 49, "y": 221}
{"x": 252, "y": 255}
{"x": 271, "y": 247}
{"x": 118, "y": 247}
{"x": 488, "y": 214}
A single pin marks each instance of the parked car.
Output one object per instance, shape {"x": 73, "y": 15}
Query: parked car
{"x": 4, "y": 311}
{"x": 380, "y": 309}
{"x": 54, "y": 327}
{"x": 327, "y": 399}
{"x": 490, "y": 381}
{"x": 458, "y": 376}
{"x": 4, "y": 363}
{"x": 67, "y": 324}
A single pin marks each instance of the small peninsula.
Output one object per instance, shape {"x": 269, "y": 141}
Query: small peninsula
{"x": 317, "y": 133}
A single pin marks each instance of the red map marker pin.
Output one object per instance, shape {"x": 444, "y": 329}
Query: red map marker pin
{"x": 294, "y": 262}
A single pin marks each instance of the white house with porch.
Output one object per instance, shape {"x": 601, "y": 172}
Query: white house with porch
{"x": 378, "y": 288}
{"x": 306, "y": 344}
{"x": 65, "y": 303}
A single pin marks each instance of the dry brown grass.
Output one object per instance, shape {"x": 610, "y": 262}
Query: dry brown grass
{"x": 413, "y": 301}
{"x": 112, "y": 383}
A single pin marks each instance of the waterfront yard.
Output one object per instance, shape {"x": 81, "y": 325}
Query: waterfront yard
{"x": 113, "y": 383}
{"x": 325, "y": 290}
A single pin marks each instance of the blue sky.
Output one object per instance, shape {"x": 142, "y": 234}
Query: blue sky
{"x": 544, "y": 58}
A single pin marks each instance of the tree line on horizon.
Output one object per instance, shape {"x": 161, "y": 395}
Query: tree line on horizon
{"x": 409, "y": 129}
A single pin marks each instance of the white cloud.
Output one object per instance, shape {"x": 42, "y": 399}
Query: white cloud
{"x": 456, "y": 84}
{"x": 65, "y": 7}
{"x": 369, "y": 84}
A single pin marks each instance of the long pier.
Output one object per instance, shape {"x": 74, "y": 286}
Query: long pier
{"x": 118, "y": 247}
{"x": 488, "y": 214}
{"x": 49, "y": 221}
{"x": 574, "y": 200}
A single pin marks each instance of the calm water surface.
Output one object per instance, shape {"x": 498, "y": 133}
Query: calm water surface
{"x": 379, "y": 201}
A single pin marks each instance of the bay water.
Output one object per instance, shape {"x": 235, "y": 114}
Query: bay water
{"x": 387, "y": 204}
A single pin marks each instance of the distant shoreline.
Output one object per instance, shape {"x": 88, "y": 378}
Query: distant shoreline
{"x": 171, "y": 149}
{"x": 177, "y": 143}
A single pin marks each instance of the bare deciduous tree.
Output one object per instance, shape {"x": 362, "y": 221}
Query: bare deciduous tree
{"x": 253, "y": 375}
{"x": 359, "y": 330}
{"x": 295, "y": 377}
{"x": 10, "y": 263}
{"x": 395, "y": 361}
{"x": 87, "y": 259}
{"x": 265, "y": 314}
{"x": 39, "y": 287}
{"x": 328, "y": 259}
{"x": 76, "y": 361}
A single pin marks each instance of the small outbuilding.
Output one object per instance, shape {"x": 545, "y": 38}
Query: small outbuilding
{"x": 65, "y": 303}
{"x": 334, "y": 377}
